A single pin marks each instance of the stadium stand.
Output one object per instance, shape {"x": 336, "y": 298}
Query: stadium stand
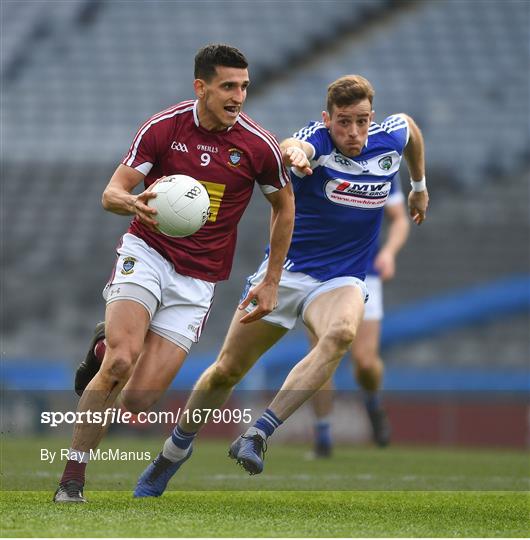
{"x": 136, "y": 58}
{"x": 459, "y": 68}
{"x": 77, "y": 83}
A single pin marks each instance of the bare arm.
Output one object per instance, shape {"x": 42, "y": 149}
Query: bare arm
{"x": 415, "y": 157}
{"x": 118, "y": 198}
{"x": 293, "y": 157}
{"x": 265, "y": 294}
{"x": 398, "y": 232}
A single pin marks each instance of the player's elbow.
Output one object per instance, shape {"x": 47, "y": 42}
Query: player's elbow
{"x": 105, "y": 200}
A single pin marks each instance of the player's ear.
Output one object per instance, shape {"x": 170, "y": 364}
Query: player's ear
{"x": 200, "y": 88}
{"x": 372, "y": 116}
{"x": 326, "y": 118}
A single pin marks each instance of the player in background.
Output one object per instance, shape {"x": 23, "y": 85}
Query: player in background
{"x": 365, "y": 353}
{"x": 341, "y": 169}
{"x": 161, "y": 290}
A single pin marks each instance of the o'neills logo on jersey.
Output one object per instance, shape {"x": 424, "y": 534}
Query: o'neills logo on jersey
{"x": 234, "y": 157}
{"x": 363, "y": 195}
{"x": 208, "y": 148}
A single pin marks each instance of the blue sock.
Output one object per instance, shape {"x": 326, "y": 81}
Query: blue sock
{"x": 268, "y": 422}
{"x": 181, "y": 439}
{"x": 323, "y": 433}
{"x": 371, "y": 400}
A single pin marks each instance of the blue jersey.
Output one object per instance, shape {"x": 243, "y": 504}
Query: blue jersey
{"x": 339, "y": 208}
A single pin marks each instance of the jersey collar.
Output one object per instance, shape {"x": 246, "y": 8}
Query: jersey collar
{"x": 196, "y": 118}
{"x": 195, "y": 113}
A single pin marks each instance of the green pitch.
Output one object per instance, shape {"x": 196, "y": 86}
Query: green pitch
{"x": 359, "y": 492}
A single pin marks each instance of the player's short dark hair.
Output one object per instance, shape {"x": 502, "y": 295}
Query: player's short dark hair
{"x": 348, "y": 90}
{"x": 218, "y": 54}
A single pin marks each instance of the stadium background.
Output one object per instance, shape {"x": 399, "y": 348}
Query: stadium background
{"x": 79, "y": 77}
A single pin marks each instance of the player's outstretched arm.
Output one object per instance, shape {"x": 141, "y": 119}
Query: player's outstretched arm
{"x": 415, "y": 157}
{"x": 265, "y": 294}
{"x": 397, "y": 234}
{"x": 297, "y": 153}
{"x": 117, "y": 196}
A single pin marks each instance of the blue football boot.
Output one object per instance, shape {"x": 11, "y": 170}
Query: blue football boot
{"x": 249, "y": 452}
{"x": 153, "y": 481}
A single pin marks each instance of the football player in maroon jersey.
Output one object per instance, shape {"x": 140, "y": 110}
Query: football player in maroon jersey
{"x": 161, "y": 290}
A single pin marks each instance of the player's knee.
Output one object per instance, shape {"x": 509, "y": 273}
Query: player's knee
{"x": 225, "y": 375}
{"x": 366, "y": 359}
{"x": 340, "y": 336}
{"x": 118, "y": 365}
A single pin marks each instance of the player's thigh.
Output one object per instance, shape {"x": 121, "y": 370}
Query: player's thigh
{"x": 126, "y": 324}
{"x": 339, "y": 309}
{"x": 159, "y": 363}
{"x": 244, "y": 344}
{"x": 312, "y": 338}
{"x": 365, "y": 348}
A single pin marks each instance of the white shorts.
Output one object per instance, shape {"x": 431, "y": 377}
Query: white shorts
{"x": 296, "y": 291}
{"x": 373, "y": 310}
{"x": 178, "y": 305}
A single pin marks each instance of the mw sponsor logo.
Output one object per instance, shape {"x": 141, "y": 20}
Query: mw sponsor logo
{"x": 357, "y": 194}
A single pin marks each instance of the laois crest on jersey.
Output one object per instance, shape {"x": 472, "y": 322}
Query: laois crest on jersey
{"x": 339, "y": 208}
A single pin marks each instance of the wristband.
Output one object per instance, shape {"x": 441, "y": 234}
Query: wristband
{"x": 420, "y": 185}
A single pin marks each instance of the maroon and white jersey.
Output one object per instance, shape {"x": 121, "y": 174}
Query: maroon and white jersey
{"x": 227, "y": 163}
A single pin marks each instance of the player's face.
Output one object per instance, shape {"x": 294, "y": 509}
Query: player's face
{"x": 349, "y": 125}
{"x": 221, "y": 99}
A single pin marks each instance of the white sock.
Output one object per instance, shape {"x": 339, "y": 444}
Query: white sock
{"x": 172, "y": 452}
{"x": 78, "y": 455}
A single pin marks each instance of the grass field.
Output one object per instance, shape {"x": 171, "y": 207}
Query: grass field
{"x": 359, "y": 492}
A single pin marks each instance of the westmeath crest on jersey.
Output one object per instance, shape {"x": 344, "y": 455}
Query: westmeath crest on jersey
{"x": 235, "y": 156}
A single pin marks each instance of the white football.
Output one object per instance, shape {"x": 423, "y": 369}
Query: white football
{"x": 182, "y": 205}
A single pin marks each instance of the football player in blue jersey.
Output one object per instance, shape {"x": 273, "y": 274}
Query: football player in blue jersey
{"x": 365, "y": 351}
{"x": 342, "y": 170}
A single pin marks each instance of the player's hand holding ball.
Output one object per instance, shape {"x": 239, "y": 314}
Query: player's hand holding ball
{"x": 145, "y": 213}
{"x": 180, "y": 203}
